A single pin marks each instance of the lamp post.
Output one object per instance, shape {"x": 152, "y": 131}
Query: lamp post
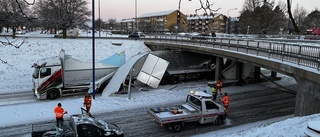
{"x": 227, "y": 22}
{"x": 136, "y": 24}
{"x": 99, "y": 21}
{"x": 135, "y": 31}
{"x": 93, "y": 51}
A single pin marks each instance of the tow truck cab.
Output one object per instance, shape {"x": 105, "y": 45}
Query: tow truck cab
{"x": 210, "y": 110}
{"x": 199, "y": 107}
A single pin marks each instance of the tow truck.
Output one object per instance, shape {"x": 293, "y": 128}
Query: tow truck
{"x": 79, "y": 125}
{"x": 199, "y": 107}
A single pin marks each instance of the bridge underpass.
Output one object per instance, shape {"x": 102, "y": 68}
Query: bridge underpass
{"x": 291, "y": 60}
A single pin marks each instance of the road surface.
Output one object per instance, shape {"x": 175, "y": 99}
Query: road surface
{"x": 245, "y": 107}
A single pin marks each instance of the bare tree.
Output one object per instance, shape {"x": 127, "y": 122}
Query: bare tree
{"x": 63, "y": 14}
{"x": 300, "y": 14}
{"x": 13, "y": 13}
{"x": 313, "y": 19}
{"x": 261, "y": 17}
{"x": 296, "y": 28}
{"x": 206, "y": 7}
{"x": 253, "y": 4}
{"x": 111, "y": 23}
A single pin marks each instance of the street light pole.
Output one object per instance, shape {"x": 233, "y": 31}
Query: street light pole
{"x": 227, "y": 22}
{"x": 99, "y": 21}
{"x": 136, "y": 24}
{"x": 93, "y": 51}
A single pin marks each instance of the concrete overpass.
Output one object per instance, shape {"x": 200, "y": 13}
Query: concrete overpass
{"x": 302, "y": 62}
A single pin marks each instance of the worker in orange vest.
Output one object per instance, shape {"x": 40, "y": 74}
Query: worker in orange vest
{"x": 87, "y": 102}
{"x": 226, "y": 100}
{"x": 59, "y": 111}
{"x": 219, "y": 85}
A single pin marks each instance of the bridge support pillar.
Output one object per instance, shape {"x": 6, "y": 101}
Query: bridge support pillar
{"x": 219, "y": 67}
{"x": 239, "y": 73}
{"x": 257, "y": 71}
{"x": 273, "y": 74}
{"x": 307, "y": 98}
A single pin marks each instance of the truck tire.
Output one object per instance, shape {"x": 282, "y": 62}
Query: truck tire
{"x": 53, "y": 94}
{"x": 174, "y": 80}
{"x": 164, "y": 81}
{"x": 49, "y": 134}
{"x": 176, "y": 127}
{"x": 219, "y": 120}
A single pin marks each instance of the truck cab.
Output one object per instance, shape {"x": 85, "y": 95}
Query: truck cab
{"x": 47, "y": 72}
{"x": 209, "y": 108}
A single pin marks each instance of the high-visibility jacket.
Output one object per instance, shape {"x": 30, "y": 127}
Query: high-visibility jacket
{"x": 59, "y": 111}
{"x": 87, "y": 100}
{"x": 213, "y": 90}
{"x": 226, "y": 100}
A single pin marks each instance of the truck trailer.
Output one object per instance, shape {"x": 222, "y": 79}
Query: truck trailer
{"x": 63, "y": 75}
{"x": 186, "y": 65}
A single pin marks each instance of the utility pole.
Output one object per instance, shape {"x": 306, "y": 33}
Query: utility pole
{"x": 99, "y": 21}
{"x": 136, "y": 22}
{"x": 93, "y": 52}
{"x": 227, "y": 22}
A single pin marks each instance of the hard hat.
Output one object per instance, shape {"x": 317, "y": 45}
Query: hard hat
{"x": 191, "y": 92}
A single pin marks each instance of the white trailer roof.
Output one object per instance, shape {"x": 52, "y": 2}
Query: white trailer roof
{"x": 120, "y": 75}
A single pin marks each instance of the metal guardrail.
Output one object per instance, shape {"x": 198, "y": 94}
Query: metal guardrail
{"x": 301, "y": 54}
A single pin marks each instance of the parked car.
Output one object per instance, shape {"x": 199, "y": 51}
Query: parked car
{"x": 183, "y": 34}
{"x": 70, "y": 33}
{"x": 20, "y": 32}
{"x": 201, "y": 36}
{"x": 136, "y": 35}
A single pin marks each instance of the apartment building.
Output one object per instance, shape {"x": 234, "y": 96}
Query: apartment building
{"x": 165, "y": 21}
{"x": 175, "y": 21}
{"x": 205, "y": 24}
{"x": 127, "y": 25}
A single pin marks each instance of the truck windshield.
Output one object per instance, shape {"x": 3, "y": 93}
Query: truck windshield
{"x": 35, "y": 73}
{"x": 43, "y": 72}
{"x": 195, "y": 101}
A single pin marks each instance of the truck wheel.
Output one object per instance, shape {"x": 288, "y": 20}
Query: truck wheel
{"x": 52, "y": 94}
{"x": 219, "y": 120}
{"x": 174, "y": 80}
{"x": 176, "y": 127}
{"x": 164, "y": 81}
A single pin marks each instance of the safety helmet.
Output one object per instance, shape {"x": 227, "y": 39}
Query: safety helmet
{"x": 192, "y": 92}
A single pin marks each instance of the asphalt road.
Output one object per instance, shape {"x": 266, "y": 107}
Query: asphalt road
{"x": 246, "y": 107}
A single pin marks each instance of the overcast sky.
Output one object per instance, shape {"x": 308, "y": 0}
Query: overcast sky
{"x": 121, "y": 9}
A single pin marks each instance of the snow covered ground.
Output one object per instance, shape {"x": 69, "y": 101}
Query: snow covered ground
{"x": 16, "y": 77}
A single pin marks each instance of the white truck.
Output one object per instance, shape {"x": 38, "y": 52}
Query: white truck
{"x": 199, "y": 107}
{"x": 60, "y": 76}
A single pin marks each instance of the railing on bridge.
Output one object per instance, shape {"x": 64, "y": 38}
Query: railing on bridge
{"x": 302, "y": 54}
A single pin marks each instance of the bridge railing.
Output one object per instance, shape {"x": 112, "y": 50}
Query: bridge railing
{"x": 302, "y": 54}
